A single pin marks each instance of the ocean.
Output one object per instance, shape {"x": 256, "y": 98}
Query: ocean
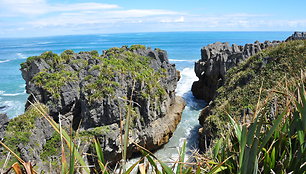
{"x": 183, "y": 50}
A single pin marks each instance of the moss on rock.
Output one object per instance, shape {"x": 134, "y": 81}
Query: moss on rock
{"x": 97, "y": 131}
{"x": 52, "y": 147}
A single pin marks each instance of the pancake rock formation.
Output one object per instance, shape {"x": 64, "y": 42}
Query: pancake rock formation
{"x": 94, "y": 93}
{"x": 215, "y": 60}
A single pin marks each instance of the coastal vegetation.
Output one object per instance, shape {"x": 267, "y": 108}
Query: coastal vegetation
{"x": 18, "y": 131}
{"x": 121, "y": 61}
{"x": 257, "y": 120}
{"x": 240, "y": 92}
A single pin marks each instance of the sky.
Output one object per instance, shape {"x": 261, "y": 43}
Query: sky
{"x": 31, "y": 18}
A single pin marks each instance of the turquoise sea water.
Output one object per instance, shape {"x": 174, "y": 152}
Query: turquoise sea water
{"x": 183, "y": 49}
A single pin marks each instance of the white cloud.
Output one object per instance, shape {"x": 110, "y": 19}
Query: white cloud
{"x": 177, "y": 20}
{"x": 44, "y": 18}
{"x": 141, "y": 13}
{"x": 81, "y": 7}
{"x": 102, "y": 17}
{"x": 246, "y": 15}
{"x": 17, "y": 7}
{"x": 38, "y": 7}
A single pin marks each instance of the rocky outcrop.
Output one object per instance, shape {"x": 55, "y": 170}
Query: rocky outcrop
{"x": 297, "y": 36}
{"x": 2, "y": 108}
{"x": 3, "y": 123}
{"x": 94, "y": 93}
{"x": 152, "y": 136}
{"x": 239, "y": 88}
{"x": 215, "y": 60}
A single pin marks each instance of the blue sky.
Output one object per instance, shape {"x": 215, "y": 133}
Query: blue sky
{"x": 27, "y": 18}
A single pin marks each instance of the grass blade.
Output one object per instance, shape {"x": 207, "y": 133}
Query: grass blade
{"x": 16, "y": 167}
{"x": 166, "y": 168}
{"x": 219, "y": 167}
{"x": 242, "y": 154}
{"x": 273, "y": 128}
{"x": 100, "y": 155}
{"x": 130, "y": 169}
{"x": 72, "y": 161}
{"x": 181, "y": 158}
{"x": 151, "y": 161}
{"x": 217, "y": 148}
{"x": 236, "y": 126}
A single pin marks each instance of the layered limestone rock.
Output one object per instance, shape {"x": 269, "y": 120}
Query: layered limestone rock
{"x": 240, "y": 86}
{"x": 215, "y": 60}
{"x": 297, "y": 36}
{"x": 94, "y": 94}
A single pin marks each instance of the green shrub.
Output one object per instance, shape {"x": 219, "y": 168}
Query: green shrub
{"x": 137, "y": 47}
{"x": 52, "y": 82}
{"x": 135, "y": 66}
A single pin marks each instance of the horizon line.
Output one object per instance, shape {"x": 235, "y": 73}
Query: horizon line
{"x": 91, "y": 34}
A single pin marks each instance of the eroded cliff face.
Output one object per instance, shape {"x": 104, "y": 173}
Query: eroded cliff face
{"x": 216, "y": 60}
{"x": 230, "y": 78}
{"x": 92, "y": 93}
{"x": 297, "y": 36}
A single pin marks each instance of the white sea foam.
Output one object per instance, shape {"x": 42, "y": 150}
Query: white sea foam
{"x": 13, "y": 108}
{"x": 22, "y": 86}
{"x": 187, "y": 78}
{"x": 3, "y": 61}
{"x": 21, "y": 56}
{"x": 43, "y": 43}
{"x": 181, "y": 60}
{"x": 1, "y": 92}
{"x": 11, "y": 95}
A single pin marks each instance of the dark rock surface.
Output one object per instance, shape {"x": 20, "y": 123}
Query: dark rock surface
{"x": 215, "y": 60}
{"x": 297, "y": 36}
{"x": 3, "y": 123}
{"x": 31, "y": 151}
{"x": 92, "y": 94}
{"x": 2, "y": 108}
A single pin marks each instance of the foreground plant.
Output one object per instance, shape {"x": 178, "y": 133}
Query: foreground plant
{"x": 269, "y": 146}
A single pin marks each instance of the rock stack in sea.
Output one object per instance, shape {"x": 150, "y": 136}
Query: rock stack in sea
{"x": 215, "y": 60}
{"x": 93, "y": 94}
